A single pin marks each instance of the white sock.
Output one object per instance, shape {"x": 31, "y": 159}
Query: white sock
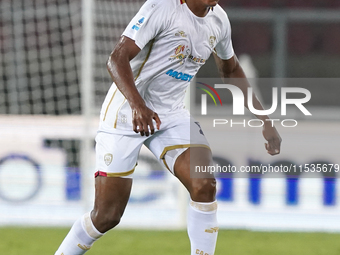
{"x": 80, "y": 238}
{"x": 202, "y": 227}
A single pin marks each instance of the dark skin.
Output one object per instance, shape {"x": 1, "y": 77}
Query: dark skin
{"x": 201, "y": 7}
{"x": 112, "y": 193}
{"x": 231, "y": 69}
{"x": 119, "y": 68}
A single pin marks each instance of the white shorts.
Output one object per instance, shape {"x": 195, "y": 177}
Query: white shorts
{"x": 117, "y": 154}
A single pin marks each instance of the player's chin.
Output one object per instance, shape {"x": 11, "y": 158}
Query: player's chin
{"x": 210, "y": 3}
{"x": 213, "y": 3}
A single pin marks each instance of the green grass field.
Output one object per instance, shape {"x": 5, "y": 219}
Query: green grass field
{"x": 44, "y": 241}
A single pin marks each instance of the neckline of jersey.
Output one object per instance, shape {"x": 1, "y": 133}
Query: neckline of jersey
{"x": 194, "y": 15}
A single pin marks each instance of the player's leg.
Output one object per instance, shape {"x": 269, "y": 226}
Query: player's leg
{"x": 171, "y": 147}
{"x": 111, "y": 197}
{"x": 80, "y": 238}
{"x": 116, "y": 157}
{"x": 201, "y": 186}
{"x": 202, "y": 222}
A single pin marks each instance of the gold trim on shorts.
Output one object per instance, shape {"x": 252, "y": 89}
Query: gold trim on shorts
{"x": 105, "y": 174}
{"x": 180, "y": 146}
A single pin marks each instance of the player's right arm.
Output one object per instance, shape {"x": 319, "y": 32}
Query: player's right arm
{"x": 119, "y": 68}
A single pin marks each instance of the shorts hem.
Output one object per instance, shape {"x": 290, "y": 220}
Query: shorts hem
{"x": 123, "y": 174}
{"x": 174, "y": 147}
{"x": 181, "y": 146}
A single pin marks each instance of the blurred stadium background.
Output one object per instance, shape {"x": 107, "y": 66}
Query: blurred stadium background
{"x": 54, "y": 79}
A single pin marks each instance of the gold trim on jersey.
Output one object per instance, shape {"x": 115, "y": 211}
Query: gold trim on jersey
{"x": 180, "y": 146}
{"x": 138, "y": 74}
{"x": 107, "y": 108}
{"x": 146, "y": 59}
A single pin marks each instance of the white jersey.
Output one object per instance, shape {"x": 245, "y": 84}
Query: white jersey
{"x": 174, "y": 44}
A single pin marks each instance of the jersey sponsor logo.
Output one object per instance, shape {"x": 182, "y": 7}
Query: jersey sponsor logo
{"x": 196, "y": 59}
{"x": 179, "y": 75}
{"x": 181, "y": 33}
{"x": 181, "y": 53}
{"x": 138, "y": 24}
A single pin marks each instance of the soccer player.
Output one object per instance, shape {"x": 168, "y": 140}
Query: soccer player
{"x": 159, "y": 53}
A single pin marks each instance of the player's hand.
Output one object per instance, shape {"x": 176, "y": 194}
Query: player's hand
{"x": 274, "y": 140}
{"x": 142, "y": 122}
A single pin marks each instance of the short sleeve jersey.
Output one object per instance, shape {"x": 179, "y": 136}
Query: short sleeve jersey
{"x": 174, "y": 44}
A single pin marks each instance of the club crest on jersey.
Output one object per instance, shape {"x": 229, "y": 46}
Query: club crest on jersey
{"x": 181, "y": 33}
{"x": 138, "y": 24}
{"x": 212, "y": 41}
{"x": 181, "y": 53}
{"x": 108, "y": 158}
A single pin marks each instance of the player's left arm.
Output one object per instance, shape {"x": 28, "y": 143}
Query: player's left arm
{"x": 231, "y": 68}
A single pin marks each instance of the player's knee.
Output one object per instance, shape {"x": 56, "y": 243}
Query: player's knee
{"x": 105, "y": 221}
{"x": 203, "y": 190}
